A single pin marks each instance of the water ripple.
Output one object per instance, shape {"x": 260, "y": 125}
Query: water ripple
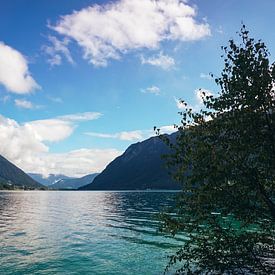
{"x": 83, "y": 233}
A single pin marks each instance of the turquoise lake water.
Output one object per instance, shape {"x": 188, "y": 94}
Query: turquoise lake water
{"x": 83, "y": 232}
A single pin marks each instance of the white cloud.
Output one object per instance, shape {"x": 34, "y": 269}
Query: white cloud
{"x": 132, "y": 135}
{"x": 129, "y": 136}
{"x": 206, "y": 76}
{"x": 107, "y": 31}
{"x": 163, "y": 61}
{"x": 168, "y": 129}
{"x": 59, "y": 128}
{"x": 151, "y": 90}
{"x": 81, "y": 116}
{"x": 55, "y": 99}
{"x": 22, "y": 103}
{"x": 26, "y": 145}
{"x": 198, "y": 100}
{"x": 137, "y": 135}
{"x": 52, "y": 130}
{"x": 76, "y": 163}
{"x": 180, "y": 104}
{"x": 14, "y": 72}
{"x": 199, "y": 95}
{"x": 57, "y": 49}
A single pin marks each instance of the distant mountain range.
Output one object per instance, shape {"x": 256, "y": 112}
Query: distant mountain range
{"x": 50, "y": 180}
{"x": 140, "y": 167}
{"x": 12, "y": 177}
{"x": 63, "y": 182}
{"x": 74, "y": 183}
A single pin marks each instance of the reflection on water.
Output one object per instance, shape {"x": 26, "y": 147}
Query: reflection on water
{"x": 83, "y": 232}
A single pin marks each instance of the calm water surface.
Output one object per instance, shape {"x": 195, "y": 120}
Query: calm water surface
{"x": 83, "y": 232}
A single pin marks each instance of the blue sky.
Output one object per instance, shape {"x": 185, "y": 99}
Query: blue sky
{"x": 81, "y": 80}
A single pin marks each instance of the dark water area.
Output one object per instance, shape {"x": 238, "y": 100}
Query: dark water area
{"x": 48, "y": 232}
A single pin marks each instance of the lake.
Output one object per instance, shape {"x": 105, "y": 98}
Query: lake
{"x": 71, "y": 232}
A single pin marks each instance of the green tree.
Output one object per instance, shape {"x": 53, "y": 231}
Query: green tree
{"x": 224, "y": 158}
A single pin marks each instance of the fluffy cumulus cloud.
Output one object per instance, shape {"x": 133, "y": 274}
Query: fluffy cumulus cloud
{"x": 52, "y": 130}
{"x": 165, "y": 62}
{"x": 14, "y": 71}
{"x": 107, "y": 31}
{"x": 151, "y": 90}
{"x": 27, "y": 145}
{"x": 76, "y": 163}
{"x": 19, "y": 143}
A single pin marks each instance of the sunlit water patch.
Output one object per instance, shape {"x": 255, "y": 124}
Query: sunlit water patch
{"x": 83, "y": 232}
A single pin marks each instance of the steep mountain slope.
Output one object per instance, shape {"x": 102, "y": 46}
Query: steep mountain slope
{"x": 73, "y": 183}
{"x": 12, "y": 177}
{"x": 139, "y": 167}
{"x": 50, "y": 180}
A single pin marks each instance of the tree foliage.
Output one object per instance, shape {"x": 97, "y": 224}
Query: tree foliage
{"x": 224, "y": 158}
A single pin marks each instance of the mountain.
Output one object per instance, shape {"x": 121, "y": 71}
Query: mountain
{"x": 50, "y": 180}
{"x": 73, "y": 183}
{"x": 139, "y": 167}
{"x": 12, "y": 177}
